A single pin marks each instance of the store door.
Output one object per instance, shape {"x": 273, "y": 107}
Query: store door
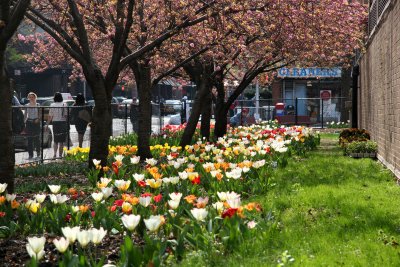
{"x": 300, "y": 92}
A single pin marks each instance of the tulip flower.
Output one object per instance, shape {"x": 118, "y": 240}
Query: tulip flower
{"x": 122, "y": 184}
{"x": 107, "y": 192}
{"x": 3, "y": 187}
{"x": 83, "y": 237}
{"x": 97, "y": 196}
{"x": 35, "y": 247}
{"x": 70, "y": 233}
{"x": 40, "y": 198}
{"x": 96, "y": 162}
{"x": 54, "y": 188}
{"x": 97, "y": 235}
{"x": 199, "y": 214}
{"x": 135, "y": 159}
{"x": 175, "y": 196}
{"x": 10, "y": 197}
{"x": 153, "y": 223}
{"x": 126, "y": 207}
{"x": 154, "y": 183}
{"x": 61, "y": 244}
{"x": 130, "y": 221}
{"x": 173, "y": 204}
{"x": 138, "y": 177}
{"x": 145, "y": 201}
{"x": 34, "y": 207}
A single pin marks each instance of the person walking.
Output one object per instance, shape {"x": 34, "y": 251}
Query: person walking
{"x": 32, "y": 122}
{"x": 58, "y": 115}
{"x": 81, "y": 115}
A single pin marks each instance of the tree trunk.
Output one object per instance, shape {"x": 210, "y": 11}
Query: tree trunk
{"x": 221, "y": 109}
{"x": 203, "y": 88}
{"x": 101, "y": 124}
{"x": 206, "y": 117}
{"x": 7, "y": 156}
{"x": 144, "y": 86}
{"x": 221, "y": 120}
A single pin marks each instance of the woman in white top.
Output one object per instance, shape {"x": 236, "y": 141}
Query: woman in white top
{"x": 32, "y": 128}
{"x": 58, "y": 115}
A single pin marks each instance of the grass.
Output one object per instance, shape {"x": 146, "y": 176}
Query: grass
{"x": 327, "y": 210}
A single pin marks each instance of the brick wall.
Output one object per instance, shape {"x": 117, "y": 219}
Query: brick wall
{"x": 379, "y": 92}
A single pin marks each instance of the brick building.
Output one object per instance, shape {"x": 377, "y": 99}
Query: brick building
{"x": 378, "y": 93}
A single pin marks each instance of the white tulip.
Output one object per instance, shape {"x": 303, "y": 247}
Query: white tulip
{"x": 40, "y": 198}
{"x": 173, "y": 204}
{"x": 10, "y": 197}
{"x": 219, "y": 206}
{"x": 3, "y": 188}
{"x": 145, "y": 201}
{"x": 119, "y": 158}
{"x": 97, "y": 235}
{"x": 138, "y": 177}
{"x": 151, "y": 161}
{"x": 36, "y": 243}
{"x": 130, "y": 221}
{"x": 97, "y": 196}
{"x": 135, "y": 160}
{"x": 54, "y": 188}
{"x": 107, "y": 192}
{"x": 61, "y": 244}
{"x": 175, "y": 196}
{"x": 199, "y": 214}
{"x": 153, "y": 223}
{"x": 70, "y": 233}
{"x": 32, "y": 253}
{"x": 96, "y": 162}
{"x": 84, "y": 237}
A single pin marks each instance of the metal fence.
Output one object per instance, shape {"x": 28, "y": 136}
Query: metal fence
{"x": 313, "y": 112}
{"x": 34, "y": 142}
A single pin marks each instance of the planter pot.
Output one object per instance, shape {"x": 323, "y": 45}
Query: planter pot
{"x": 372, "y": 155}
{"x": 353, "y": 155}
{"x": 360, "y": 155}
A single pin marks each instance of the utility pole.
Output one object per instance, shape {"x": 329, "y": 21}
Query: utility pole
{"x": 257, "y": 113}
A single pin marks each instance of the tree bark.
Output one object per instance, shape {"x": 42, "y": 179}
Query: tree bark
{"x": 221, "y": 120}
{"x": 203, "y": 88}
{"x": 101, "y": 124}
{"x": 144, "y": 86}
{"x": 7, "y": 156}
{"x": 206, "y": 117}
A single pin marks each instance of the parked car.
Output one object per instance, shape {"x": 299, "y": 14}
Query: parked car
{"x": 47, "y": 104}
{"x": 120, "y": 98}
{"x": 114, "y": 105}
{"x": 124, "y": 108}
{"x": 171, "y": 106}
{"x": 21, "y": 139}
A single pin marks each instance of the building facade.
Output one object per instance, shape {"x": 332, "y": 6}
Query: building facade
{"x": 320, "y": 93}
{"x": 379, "y": 82}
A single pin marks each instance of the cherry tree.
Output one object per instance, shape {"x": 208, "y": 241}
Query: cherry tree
{"x": 131, "y": 31}
{"x": 11, "y": 15}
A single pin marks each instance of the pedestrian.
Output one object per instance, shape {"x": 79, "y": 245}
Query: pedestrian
{"x": 32, "y": 125}
{"x": 134, "y": 115}
{"x": 81, "y": 114}
{"x": 242, "y": 118}
{"x": 58, "y": 115}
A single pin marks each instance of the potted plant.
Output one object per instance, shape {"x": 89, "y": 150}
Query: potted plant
{"x": 371, "y": 148}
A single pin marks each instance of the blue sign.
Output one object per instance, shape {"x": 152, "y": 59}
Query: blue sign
{"x": 310, "y": 73}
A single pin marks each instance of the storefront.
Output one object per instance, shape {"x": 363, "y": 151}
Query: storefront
{"x": 314, "y": 92}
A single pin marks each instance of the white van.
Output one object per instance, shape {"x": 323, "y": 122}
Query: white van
{"x": 67, "y": 96}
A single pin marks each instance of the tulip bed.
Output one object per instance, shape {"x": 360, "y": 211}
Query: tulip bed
{"x": 183, "y": 199}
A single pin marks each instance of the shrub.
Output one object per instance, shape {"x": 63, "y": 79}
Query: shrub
{"x": 361, "y": 147}
{"x": 350, "y": 135}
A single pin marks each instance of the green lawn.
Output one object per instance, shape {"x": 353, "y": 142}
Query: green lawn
{"x": 325, "y": 210}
